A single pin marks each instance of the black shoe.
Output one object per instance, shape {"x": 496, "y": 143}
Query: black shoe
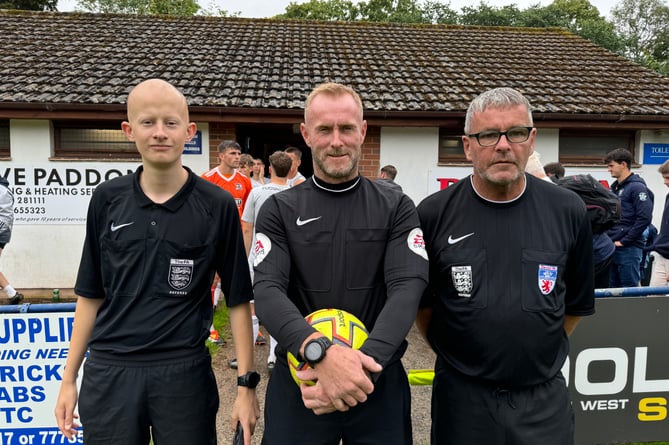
{"x": 232, "y": 363}
{"x": 16, "y": 299}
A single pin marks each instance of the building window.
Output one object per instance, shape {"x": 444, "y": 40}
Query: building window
{"x": 4, "y": 139}
{"x": 590, "y": 147}
{"x": 451, "y": 150}
{"x": 92, "y": 140}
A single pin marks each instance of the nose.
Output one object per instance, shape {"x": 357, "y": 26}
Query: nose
{"x": 159, "y": 132}
{"x": 503, "y": 143}
{"x": 336, "y": 139}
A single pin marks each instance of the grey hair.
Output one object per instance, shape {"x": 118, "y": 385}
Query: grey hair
{"x": 496, "y": 98}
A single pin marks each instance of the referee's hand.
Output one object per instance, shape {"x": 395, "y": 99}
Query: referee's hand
{"x": 342, "y": 380}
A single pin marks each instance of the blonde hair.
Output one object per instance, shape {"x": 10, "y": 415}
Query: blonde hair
{"x": 534, "y": 166}
{"x": 332, "y": 89}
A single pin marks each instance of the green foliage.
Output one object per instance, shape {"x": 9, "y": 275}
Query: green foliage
{"x": 141, "y": 7}
{"x": 30, "y": 5}
{"x": 643, "y": 26}
{"x": 341, "y": 10}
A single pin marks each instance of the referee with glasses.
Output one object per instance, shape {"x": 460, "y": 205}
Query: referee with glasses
{"x": 511, "y": 274}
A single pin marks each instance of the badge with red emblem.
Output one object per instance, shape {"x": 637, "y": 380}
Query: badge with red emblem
{"x": 547, "y": 278}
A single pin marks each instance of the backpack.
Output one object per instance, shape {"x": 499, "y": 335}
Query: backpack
{"x": 602, "y": 204}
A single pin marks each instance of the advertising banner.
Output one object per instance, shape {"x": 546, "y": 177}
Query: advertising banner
{"x": 57, "y": 193}
{"x": 33, "y": 350}
{"x": 618, "y": 372}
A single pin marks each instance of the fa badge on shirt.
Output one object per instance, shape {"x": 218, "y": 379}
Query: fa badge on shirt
{"x": 547, "y": 278}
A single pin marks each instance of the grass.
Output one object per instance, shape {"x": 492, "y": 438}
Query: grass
{"x": 220, "y": 323}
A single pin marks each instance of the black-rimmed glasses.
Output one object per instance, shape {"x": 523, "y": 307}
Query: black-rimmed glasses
{"x": 514, "y": 135}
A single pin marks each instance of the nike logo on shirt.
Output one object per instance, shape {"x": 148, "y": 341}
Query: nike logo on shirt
{"x": 301, "y": 222}
{"x": 120, "y": 226}
{"x": 452, "y": 240}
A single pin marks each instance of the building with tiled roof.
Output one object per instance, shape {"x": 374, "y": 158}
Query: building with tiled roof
{"x": 64, "y": 79}
{"x": 81, "y": 62}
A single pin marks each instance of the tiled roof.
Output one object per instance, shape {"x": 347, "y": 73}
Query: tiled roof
{"x": 73, "y": 58}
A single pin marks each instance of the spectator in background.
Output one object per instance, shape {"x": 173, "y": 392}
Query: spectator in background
{"x": 660, "y": 248}
{"x": 636, "y": 202}
{"x": 294, "y": 176}
{"x": 279, "y": 166}
{"x": 387, "y": 176}
{"x": 554, "y": 170}
{"x": 258, "y": 173}
{"x": 246, "y": 165}
{"x": 534, "y": 167}
{"x": 6, "y": 225}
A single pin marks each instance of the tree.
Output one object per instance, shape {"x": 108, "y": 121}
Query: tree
{"x": 485, "y": 15}
{"x": 30, "y": 5}
{"x": 157, "y": 7}
{"x": 437, "y": 12}
{"x": 342, "y": 10}
{"x": 644, "y": 27}
{"x": 400, "y": 11}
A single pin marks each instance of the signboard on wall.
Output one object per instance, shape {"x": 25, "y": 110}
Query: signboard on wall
{"x": 33, "y": 350}
{"x": 655, "y": 153}
{"x": 57, "y": 193}
{"x": 194, "y": 146}
{"x": 618, "y": 372}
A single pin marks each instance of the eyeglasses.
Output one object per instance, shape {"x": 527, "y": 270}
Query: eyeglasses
{"x": 514, "y": 135}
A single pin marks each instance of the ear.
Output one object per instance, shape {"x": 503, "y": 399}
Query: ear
{"x": 127, "y": 130}
{"x": 305, "y": 134}
{"x": 190, "y": 131}
{"x": 467, "y": 147}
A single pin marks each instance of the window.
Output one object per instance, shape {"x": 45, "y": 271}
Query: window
{"x": 451, "y": 149}
{"x": 92, "y": 140}
{"x": 580, "y": 146}
{"x": 4, "y": 139}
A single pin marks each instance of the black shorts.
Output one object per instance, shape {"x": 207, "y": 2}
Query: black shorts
{"x": 384, "y": 419}
{"x": 467, "y": 411}
{"x": 125, "y": 403}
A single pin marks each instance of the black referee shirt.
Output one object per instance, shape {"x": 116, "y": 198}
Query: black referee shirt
{"x": 356, "y": 247}
{"x": 502, "y": 278}
{"x": 154, "y": 264}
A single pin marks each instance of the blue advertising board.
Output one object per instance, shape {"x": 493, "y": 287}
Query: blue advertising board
{"x": 194, "y": 146}
{"x": 655, "y": 153}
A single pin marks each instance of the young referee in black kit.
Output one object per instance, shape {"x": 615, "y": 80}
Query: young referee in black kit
{"x": 154, "y": 240}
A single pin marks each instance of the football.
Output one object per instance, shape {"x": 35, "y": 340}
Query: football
{"x": 341, "y": 327}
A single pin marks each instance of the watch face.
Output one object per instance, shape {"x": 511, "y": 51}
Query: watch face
{"x": 313, "y": 351}
{"x": 254, "y": 378}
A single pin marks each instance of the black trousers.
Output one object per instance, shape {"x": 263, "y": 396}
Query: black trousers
{"x": 175, "y": 402}
{"x": 384, "y": 419}
{"x": 467, "y": 411}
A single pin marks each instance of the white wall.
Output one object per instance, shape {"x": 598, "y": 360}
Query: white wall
{"x": 47, "y": 255}
{"x": 415, "y": 153}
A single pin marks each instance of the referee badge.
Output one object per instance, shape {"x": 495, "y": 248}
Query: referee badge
{"x": 261, "y": 248}
{"x": 181, "y": 273}
{"x": 416, "y": 243}
{"x": 462, "y": 280}
{"x": 547, "y": 278}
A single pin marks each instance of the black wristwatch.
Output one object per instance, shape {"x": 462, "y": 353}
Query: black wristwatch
{"x": 250, "y": 379}
{"x": 315, "y": 350}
